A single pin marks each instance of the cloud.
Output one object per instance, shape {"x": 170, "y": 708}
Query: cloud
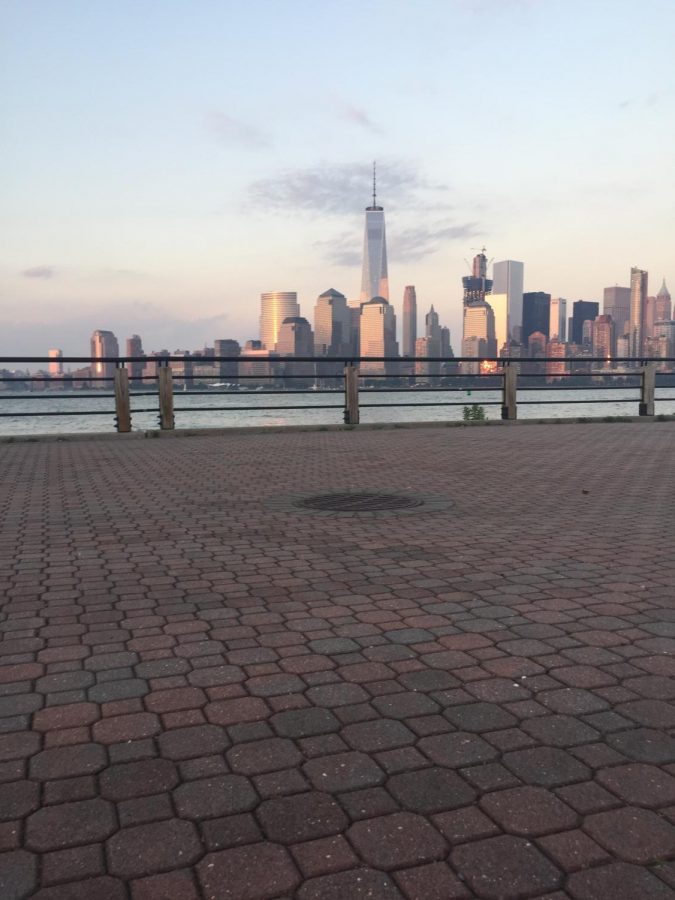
{"x": 39, "y": 272}
{"x": 343, "y": 250}
{"x": 415, "y": 243}
{"x": 229, "y": 130}
{"x": 343, "y": 189}
{"x": 359, "y": 117}
{"x": 408, "y": 245}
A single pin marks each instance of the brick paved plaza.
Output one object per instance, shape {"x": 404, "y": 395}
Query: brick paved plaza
{"x": 208, "y": 693}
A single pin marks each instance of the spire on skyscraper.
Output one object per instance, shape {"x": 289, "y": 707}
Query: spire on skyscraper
{"x": 374, "y": 278}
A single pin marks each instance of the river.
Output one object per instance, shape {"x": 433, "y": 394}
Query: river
{"x": 196, "y": 410}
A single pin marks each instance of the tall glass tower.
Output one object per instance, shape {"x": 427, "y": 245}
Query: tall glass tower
{"x": 374, "y": 280}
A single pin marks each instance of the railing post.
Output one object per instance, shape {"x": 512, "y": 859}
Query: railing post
{"x": 510, "y": 392}
{"x": 122, "y": 405}
{"x": 165, "y": 388}
{"x": 647, "y": 389}
{"x": 351, "y": 395}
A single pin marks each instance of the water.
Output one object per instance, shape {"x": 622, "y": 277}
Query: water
{"x": 196, "y": 410}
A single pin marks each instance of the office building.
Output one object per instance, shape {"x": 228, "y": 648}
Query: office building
{"x": 665, "y": 331}
{"x": 557, "y": 323}
{"x": 134, "y": 350}
{"x": 536, "y": 314}
{"x": 275, "y": 306}
{"x": 499, "y": 304}
{"x": 446, "y": 346}
{"x": 556, "y": 350}
{"x": 478, "y": 333}
{"x": 296, "y": 339}
{"x": 374, "y": 277}
{"x": 332, "y": 324}
{"x": 638, "y": 299}
{"x": 582, "y": 311}
{"x": 55, "y": 363}
{"x": 260, "y": 364}
{"x": 616, "y": 303}
{"x": 103, "y": 344}
{"x": 377, "y": 335}
{"x": 477, "y": 285}
{"x": 508, "y": 277}
{"x": 664, "y": 307}
{"x": 409, "y": 321}
{"x": 603, "y": 337}
{"x": 422, "y": 351}
{"x": 228, "y": 369}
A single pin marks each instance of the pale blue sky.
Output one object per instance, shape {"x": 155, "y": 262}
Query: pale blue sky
{"x": 165, "y": 162}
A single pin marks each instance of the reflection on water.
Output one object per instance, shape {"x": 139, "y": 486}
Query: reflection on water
{"x": 196, "y": 411}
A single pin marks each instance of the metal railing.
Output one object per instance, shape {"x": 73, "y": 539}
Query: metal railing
{"x": 357, "y": 383}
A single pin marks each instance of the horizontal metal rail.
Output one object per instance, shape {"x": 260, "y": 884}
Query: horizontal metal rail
{"x": 411, "y": 387}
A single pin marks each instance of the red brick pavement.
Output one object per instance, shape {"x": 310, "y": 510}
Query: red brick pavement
{"x": 204, "y": 694}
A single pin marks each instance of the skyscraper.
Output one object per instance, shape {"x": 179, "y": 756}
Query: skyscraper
{"x": 582, "y": 311}
{"x": 638, "y": 298}
{"x": 603, "y": 337}
{"x": 56, "y": 362}
{"x": 275, "y": 306}
{"x": 616, "y": 303}
{"x": 508, "y": 279}
{"x": 296, "y": 339}
{"x": 479, "y": 330}
{"x": 103, "y": 344}
{"x": 477, "y": 285}
{"x": 227, "y": 347}
{"x": 536, "y": 314}
{"x": 409, "y": 320}
{"x": 134, "y": 348}
{"x": 332, "y": 324}
{"x": 374, "y": 278}
{"x": 500, "y": 308}
{"x": 663, "y": 304}
{"x": 377, "y": 335}
{"x": 557, "y": 323}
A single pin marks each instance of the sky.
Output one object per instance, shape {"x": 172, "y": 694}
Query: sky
{"x": 167, "y": 161}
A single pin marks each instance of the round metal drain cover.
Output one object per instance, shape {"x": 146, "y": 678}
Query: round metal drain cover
{"x": 359, "y": 502}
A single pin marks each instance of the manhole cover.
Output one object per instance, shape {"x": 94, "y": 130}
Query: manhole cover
{"x": 358, "y": 502}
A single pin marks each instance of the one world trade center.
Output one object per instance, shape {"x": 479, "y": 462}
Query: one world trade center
{"x": 374, "y": 280}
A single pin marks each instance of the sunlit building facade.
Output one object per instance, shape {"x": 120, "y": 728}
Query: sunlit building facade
{"x": 374, "y": 276}
{"x": 603, "y": 338}
{"x": 103, "y": 343}
{"x": 557, "y": 323}
{"x": 638, "y": 298}
{"x": 332, "y": 324}
{"x": 55, "y": 363}
{"x": 409, "y": 321}
{"x": 377, "y": 334}
{"x": 508, "y": 278}
{"x": 275, "y": 306}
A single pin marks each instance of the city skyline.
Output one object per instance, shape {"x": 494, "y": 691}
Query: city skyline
{"x": 159, "y": 184}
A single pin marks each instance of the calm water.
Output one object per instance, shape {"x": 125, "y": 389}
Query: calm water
{"x": 196, "y": 410}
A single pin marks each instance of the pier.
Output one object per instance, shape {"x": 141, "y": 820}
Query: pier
{"x": 396, "y": 664}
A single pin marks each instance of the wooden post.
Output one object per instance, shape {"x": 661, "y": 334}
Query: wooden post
{"x": 647, "y": 389}
{"x": 122, "y": 405}
{"x": 165, "y": 388}
{"x": 351, "y": 395}
{"x": 510, "y": 392}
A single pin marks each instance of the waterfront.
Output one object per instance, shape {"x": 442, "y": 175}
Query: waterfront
{"x": 210, "y": 692}
{"x": 196, "y": 410}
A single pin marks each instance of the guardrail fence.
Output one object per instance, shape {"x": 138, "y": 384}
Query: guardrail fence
{"x": 358, "y": 383}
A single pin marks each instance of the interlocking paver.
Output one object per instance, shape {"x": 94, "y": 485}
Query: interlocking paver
{"x": 401, "y": 839}
{"x": 340, "y": 707}
{"x": 256, "y": 872}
